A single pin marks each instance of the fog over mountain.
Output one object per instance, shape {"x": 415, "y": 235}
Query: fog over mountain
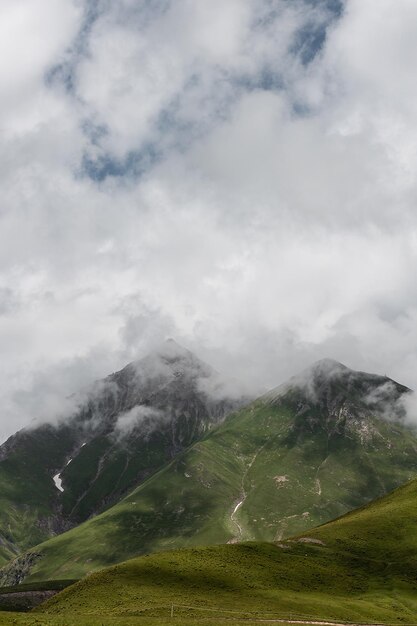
{"x": 238, "y": 175}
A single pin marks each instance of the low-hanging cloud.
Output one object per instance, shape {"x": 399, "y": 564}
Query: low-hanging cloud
{"x": 378, "y": 395}
{"x": 146, "y": 418}
{"x": 393, "y": 405}
{"x": 238, "y": 175}
{"x": 408, "y": 405}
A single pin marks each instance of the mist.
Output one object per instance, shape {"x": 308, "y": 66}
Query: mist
{"x": 239, "y": 176}
{"x": 144, "y": 418}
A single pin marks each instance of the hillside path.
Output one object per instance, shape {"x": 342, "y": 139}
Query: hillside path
{"x": 244, "y": 493}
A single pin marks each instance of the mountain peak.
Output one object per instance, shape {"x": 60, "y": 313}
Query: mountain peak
{"x": 327, "y": 365}
{"x": 331, "y": 385}
{"x": 170, "y": 356}
{"x": 324, "y": 369}
{"x": 165, "y": 359}
{"x": 308, "y": 379}
{"x": 170, "y": 349}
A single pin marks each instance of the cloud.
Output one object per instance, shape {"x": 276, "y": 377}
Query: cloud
{"x": 392, "y": 405}
{"x": 52, "y": 394}
{"x": 33, "y": 32}
{"x": 378, "y": 395}
{"x": 145, "y": 418}
{"x": 241, "y": 177}
{"x": 408, "y": 407}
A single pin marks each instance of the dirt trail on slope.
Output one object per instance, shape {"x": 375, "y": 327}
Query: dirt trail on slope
{"x": 244, "y": 494}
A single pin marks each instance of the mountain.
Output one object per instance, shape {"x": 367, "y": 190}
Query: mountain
{"x": 125, "y": 428}
{"x": 326, "y": 442}
{"x": 360, "y": 568}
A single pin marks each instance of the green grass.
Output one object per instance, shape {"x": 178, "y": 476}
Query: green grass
{"x": 258, "y": 580}
{"x": 254, "y": 454}
{"x": 27, "y": 491}
{"x": 89, "y": 620}
{"x": 45, "y": 585}
{"x": 24, "y": 597}
{"x": 360, "y": 567}
{"x": 104, "y": 467}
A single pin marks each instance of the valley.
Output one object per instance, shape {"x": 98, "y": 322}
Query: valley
{"x": 281, "y": 508}
{"x": 254, "y": 476}
{"x": 208, "y": 312}
{"x": 360, "y": 568}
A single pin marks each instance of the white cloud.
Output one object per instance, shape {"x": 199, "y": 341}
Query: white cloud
{"x": 148, "y": 418}
{"x": 274, "y": 222}
{"x": 32, "y": 33}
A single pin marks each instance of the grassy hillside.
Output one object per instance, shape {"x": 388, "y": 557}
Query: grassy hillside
{"x": 28, "y": 509}
{"x": 105, "y": 448}
{"x": 29, "y": 619}
{"x": 361, "y": 567}
{"x": 264, "y": 474}
{"x": 384, "y": 532}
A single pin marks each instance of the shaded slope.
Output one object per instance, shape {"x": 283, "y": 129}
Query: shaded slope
{"x": 126, "y": 428}
{"x": 383, "y": 532}
{"x": 290, "y": 461}
{"x": 362, "y": 567}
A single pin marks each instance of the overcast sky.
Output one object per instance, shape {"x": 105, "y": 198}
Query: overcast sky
{"x": 237, "y": 174}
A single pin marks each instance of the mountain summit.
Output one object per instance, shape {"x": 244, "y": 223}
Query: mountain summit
{"x": 328, "y": 376}
{"x": 126, "y": 428}
{"x": 341, "y": 401}
{"x": 328, "y": 441}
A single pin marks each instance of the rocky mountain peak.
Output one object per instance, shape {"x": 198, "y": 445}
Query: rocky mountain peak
{"x": 332, "y": 397}
{"x": 166, "y": 361}
{"x": 327, "y": 367}
{"x": 124, "y": 428}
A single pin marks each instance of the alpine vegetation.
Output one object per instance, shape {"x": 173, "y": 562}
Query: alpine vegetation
{"x": 208, "y": 312}
{"x": 302, "y": 454}
{"x": 131, "y": 424}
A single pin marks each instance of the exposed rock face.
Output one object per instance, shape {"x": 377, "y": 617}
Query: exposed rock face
{"x": 331, "y": 397}
{"x": 127, "y": 426}
{"x": 17, "y": 570}
{"x": 328, "y": 441}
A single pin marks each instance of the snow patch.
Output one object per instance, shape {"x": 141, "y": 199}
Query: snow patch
{"x": 58, "y": 482}
{"x": 237, "y": 506}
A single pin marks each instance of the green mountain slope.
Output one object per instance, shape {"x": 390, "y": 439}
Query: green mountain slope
{"x": 361, "y": 567}
{"x": 126, "y": 428}
{"x": 304, "y": 454}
